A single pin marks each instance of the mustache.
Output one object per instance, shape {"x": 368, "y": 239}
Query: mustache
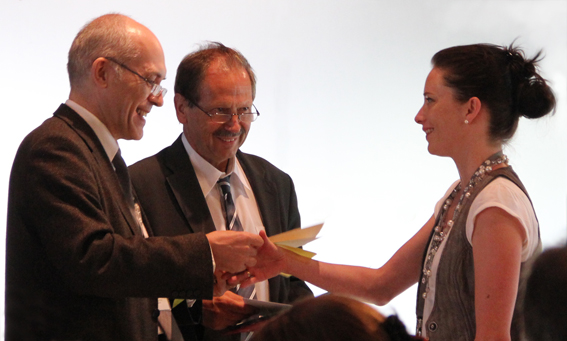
{"x": 224, "y": 133}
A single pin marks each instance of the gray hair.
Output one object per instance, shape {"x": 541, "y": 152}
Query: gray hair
{"x": 105, "y": 36}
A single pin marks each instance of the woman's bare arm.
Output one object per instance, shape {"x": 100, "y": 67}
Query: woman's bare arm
{"x": 497, "y": 247}
{"x": 378, "y": 286}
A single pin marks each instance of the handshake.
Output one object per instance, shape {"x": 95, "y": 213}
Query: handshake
{"x": 243, "y": 258}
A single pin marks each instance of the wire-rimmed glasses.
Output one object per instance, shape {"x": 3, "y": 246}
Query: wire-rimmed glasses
{"x": 223, "y": 115}
{"x": 157, "y": 90}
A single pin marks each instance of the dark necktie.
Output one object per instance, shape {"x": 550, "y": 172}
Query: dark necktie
{"x": 166, "y": 322}
{"x": 123, "y": 177}
{"x": 233, "y": 224}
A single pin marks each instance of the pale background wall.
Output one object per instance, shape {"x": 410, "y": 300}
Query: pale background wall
{"x": 339, "y": 83}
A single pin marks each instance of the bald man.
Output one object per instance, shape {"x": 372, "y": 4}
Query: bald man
{"x": 81, "y": 261}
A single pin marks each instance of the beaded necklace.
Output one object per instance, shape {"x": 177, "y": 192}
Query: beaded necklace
{"x": 442, "y": 229}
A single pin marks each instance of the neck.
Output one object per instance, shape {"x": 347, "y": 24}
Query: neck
{"x": 469, "y": 162}
{"x": 84, "y": 100}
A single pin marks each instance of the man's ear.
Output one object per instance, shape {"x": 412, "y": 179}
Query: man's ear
{"x": 100, "y": 72}
{"x": 181, "y": 107}
{"x": 473, "y": 109}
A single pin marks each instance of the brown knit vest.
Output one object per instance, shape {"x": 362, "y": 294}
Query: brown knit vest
{"x": 453, "y": 314}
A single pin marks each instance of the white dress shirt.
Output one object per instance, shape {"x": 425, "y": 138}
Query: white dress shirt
{"x": 242, "y": 193}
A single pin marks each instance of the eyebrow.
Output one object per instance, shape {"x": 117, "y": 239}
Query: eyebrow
{"x": 151, "y": 73}
{"x": 157, "y": 75}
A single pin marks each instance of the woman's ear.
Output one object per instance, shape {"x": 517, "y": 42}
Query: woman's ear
{"x": 473, "y": 109}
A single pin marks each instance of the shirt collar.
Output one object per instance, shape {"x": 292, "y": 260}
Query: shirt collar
{"x": 101, "y": 131}
{"x": 208, "y": 175}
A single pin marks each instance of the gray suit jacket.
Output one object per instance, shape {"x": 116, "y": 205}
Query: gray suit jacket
{"x": 77, "y": 266}
{"x": 171, "y": 196}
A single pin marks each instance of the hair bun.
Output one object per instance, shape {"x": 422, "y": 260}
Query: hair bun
{"x": 535, "y": 98}
{"x": 532, "y": 96}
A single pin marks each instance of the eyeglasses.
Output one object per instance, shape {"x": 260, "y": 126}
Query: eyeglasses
{"x": 157, "y": 90}
{"x": 223, "y": 115}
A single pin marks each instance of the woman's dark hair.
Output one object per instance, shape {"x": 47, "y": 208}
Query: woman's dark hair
{"x": 507, "y": 83}
{"x": 333, "y": 318}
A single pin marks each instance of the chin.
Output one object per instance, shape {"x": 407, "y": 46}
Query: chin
{"x": 138, "y": 133}
{"x": 430, "y": 150}
{"x": 433, "y": 151}
{"x": 135, "y": 135}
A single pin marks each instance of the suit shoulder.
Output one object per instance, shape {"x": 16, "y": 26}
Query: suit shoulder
{"x": 255, "y": 161}
{"x": 139, "y": 166}
{"x": 50, "y": 128}
{"x": 53, "y": 136}
{"x": 144, "y": 169}
{"x": 148, "y": 169}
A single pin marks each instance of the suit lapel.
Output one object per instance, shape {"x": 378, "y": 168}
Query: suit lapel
{"x": 265, "y": 192}
{"x": 186, "y": 189}
{"x": 78, "y": 124}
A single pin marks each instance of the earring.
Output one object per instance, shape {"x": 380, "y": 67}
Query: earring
{"x": 466, "y": 121}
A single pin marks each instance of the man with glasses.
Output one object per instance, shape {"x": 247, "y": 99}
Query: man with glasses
{"x": 81, "y": 261}
{"x": 203, "y": 182}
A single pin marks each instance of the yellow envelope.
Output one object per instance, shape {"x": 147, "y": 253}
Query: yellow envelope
{"x": 293, "y": 239}
{"x": 297, "y": 237}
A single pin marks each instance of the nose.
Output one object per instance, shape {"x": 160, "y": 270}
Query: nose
{"x": 156, "y": 100}
{"x": 234, "y": 123}
{"x": 419, "y": 117}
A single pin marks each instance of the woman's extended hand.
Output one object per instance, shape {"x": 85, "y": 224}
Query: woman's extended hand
{"x": 271, "y": 261}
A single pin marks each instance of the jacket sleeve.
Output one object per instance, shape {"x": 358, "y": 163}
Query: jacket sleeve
{"x": 70, "y": 200}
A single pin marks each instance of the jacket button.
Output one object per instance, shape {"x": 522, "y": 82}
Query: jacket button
{"x": 432, "y": 327}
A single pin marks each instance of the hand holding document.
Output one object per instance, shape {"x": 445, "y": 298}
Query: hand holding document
{"x": 293, "y": 239}
{"x": 271, "y": 258}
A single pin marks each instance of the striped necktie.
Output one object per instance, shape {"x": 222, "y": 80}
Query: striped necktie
{"x": 234, "y": 224}
{"x": 232, "y": 221}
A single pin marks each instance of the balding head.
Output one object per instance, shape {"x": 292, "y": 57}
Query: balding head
{"x": 110, "y": 35}
{"x": 114, "y": 63}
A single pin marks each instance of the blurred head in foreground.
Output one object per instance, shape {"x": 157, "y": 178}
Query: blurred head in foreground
{"x": 545, "y": 305}
{"x": 332, "y": 317}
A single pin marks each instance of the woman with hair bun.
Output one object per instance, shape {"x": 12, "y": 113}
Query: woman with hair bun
{"x": 468, "y": 258}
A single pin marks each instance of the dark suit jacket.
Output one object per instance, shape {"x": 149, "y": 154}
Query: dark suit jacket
{"x": 171, "y": 196}
{"x": 77, "y": 266}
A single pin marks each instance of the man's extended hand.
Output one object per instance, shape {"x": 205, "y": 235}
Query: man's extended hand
{"x": 271, "y": 261}
{"x": 234, "y": 251}
{"x": 225, "y": 311}
{"x": 221, "y": 285}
